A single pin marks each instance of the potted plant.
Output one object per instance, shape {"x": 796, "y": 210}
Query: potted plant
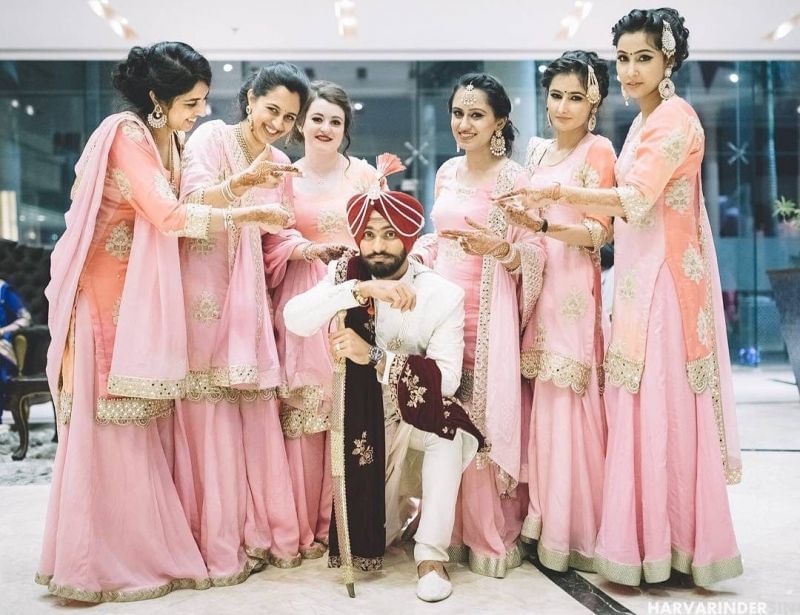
{"x": 786, "y": 288}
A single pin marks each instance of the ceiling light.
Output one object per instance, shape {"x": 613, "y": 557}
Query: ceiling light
{"x": 15, "y": 103}
{"x": 358, "y": 106}
{"x": 118, "y": 24}
{"x": 227, "y": 67}
{"x": 542, "y": 68}
{"x": 734, "y": 78}
{"x": 346, "y": 22}
{"x": 784, "y": 28}
{"x": 517, "y": 101}
{"x": 29, "y": 110}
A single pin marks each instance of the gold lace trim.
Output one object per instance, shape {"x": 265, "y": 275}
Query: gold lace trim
{"x": 561, "y": 562}
{"x": 200, "y": 386}
{"x": 367, "y": 564}
{"x": 131, "y": 411}
{"x": 564, "y": 372}
{"x": 266, "y": 557}
{"x": 64, "y": 411}
{"x": 531, "y": 529}
{"x": 144, "y": 388}
{"x": 69, "y": 592}
{"x": 532, "y": 268}
{"x": 638, "y": 211}
{"x": 296, "y": 422}
{"x": 622, "y": 371}
{"x": 656, "y": 572}
{"x": 486, "y": 565}
{"x": 597, "y": 233}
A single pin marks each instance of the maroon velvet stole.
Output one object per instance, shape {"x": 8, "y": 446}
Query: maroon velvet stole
{"x": 416, "y": 386}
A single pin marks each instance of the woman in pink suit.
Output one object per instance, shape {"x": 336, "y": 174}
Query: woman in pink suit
{"x": 563, "y": 345}
{"x": 330, "y": 177}
{"x": 115, "y": 529}
{"x": 230, "y": 463}
{"x": 500, "y": 269}
{"x": 672, "y": 441}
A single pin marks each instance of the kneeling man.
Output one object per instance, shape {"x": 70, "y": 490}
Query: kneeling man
{"x": 398, "y": 344}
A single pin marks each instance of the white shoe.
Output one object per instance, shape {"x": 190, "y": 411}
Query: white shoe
{"x": 433, "y": 588}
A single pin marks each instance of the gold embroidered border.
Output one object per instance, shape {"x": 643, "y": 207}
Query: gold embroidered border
{"x": 144, "y": 388}
{"x": 733, "y": 476}
{"x": 531, "y": 529}
{"x": 310, "y": 394}
{"x": 638, "y": 211}
{"x": 561, "y": 562}
{"x": 367, "y": 564}
{"x": 564, "y": 372}
{"x": 64, "y": 411}
{"x": 198, "y": 386}
{"x": 531, "y": 266}
{"x": 198, "y": 221}
{"x": 496, "y": 567}
{"x": 296, "y": 422}
{"x": 233, "y": 375}
{"x": 622, "y": 371}
{"x": 69, "y": 592}
{"x": 656, "y": 572}
{"x": 597, "y": 233}
{"x": 131, "y": 411}
{"x": 264, "y": 558}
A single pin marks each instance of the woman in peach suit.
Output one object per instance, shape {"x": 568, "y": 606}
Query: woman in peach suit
{"x": 115, "y": 529}
{"x": 672, "y": 441}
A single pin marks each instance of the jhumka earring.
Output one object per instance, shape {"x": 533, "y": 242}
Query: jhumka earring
{"x": 469, "y": 97}
{"x": 624, "y": 93}
{"x": 249, "y": 111}
{"x": 666, "y": 88}
{"x": 497, "y": 145}
{"x": 157, "y": 118}
{"x": 593, "y": 96}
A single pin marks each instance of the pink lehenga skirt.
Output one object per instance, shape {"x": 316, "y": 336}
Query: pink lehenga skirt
{"x": 665, "y": 501}
{"x": 115, "y": 529}
{"x": 566, "y": 452}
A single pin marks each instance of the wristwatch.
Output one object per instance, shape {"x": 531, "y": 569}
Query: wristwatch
{"x": 361, "y": 299}
{"x": 376, "y": 355}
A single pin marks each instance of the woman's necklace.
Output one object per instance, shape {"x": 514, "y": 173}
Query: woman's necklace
{"x": 240, "y": 138}
{"x": 173, "y": 184}
{"x": 560, "y": 160}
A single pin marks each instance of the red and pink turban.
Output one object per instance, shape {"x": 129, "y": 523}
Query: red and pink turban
{"x": 405, "y": 213}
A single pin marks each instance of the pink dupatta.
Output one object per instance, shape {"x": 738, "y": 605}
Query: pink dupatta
{"x": 149, "y": 359}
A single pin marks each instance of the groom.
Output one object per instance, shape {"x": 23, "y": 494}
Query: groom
{"x": 400, "y": 351}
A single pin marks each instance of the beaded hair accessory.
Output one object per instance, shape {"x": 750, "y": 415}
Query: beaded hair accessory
{"x": 592, "y": 87}
{"x": 469, "y": 97}
{"x": 667, "y": 40}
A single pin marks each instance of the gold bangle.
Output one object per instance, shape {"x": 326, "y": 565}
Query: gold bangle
{"x": 361, "y": 299}
{"x": 227, "y": 192}
{"x": 306, "y": 251}
{"x": 509, "y": 256}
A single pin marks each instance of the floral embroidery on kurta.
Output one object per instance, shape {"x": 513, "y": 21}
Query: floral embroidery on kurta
{"x": 586, "y": 176}
{"x": 133, "y": 131}
{"x": 163, "y": 188}
{"x": 120, "y": 241}
{"x": 363, "y": 451}
{"x": 638, "y": 211}
{"x": 123, "y": 184}
{"x": 673, "y": 145}
{"x": 693, "y": 266}
{"x": 574, "y": 306}
{"x": 678, "y": 194}
{"x": 329, "y": 222}
{"x": 704, "y": 324}
{"x": 206, "y": 308}
{"x": 115, "y": 310}
{"x": 202, "y": 247}
{"x": 628, "y": 286}
{"x": 451, "y": 251}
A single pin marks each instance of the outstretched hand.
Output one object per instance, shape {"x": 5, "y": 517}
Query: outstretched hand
{"x": 478, "y": 242}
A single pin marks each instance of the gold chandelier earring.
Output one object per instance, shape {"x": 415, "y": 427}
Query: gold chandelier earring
{"x": 593, "y": 96}
{"x": 666, "y": 88}
{"x": 157, "y": 118}
{"x": 497, "y": 145}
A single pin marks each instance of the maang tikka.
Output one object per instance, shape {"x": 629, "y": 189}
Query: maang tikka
{"x": 469, "y": 98}
{"x": 666, "y": 88}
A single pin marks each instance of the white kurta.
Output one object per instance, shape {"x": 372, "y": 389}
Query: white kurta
{"x": 434, "y": 329}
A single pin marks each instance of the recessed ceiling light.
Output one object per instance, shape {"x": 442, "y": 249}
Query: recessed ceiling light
{"x": 29, "y": 110}
{"x": 358, "y": 106}
{"x": 542, "y": 68}
{"x": 227, "y": 67}
{"x": 15, "y": 103}
{"x": 734, "y": 78}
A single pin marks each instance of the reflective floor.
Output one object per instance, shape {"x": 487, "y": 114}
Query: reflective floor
{"x": 765, "y": 510}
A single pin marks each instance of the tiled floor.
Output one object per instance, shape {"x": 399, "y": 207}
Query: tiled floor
{"x": 765, "y": 514}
